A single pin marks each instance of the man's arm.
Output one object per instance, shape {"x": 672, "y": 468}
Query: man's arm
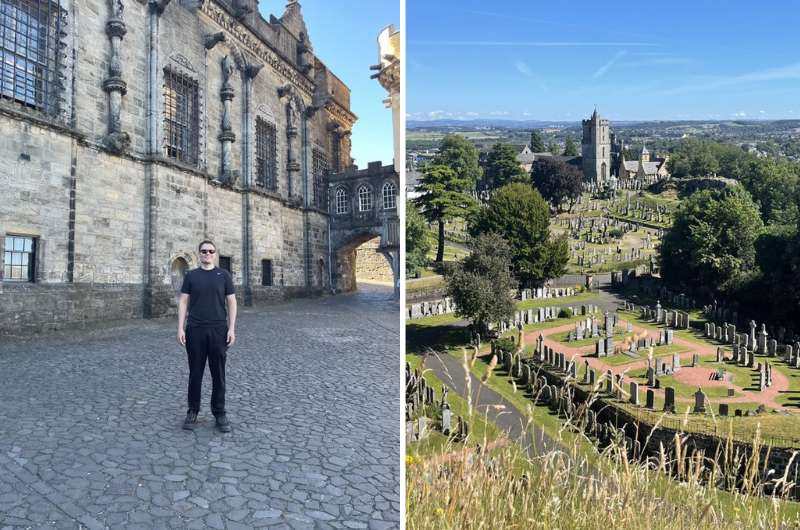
{"x": 230, "y": 301}
{"x": 183, "y": 303}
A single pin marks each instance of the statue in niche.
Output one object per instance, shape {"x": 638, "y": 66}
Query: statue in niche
{"x": 228, "y": 66}
{"x": 292, "y": 111}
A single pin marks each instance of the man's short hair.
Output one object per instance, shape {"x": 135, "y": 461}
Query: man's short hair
{"x": 206, "y": 242}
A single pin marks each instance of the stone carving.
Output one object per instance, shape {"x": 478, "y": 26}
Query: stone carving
{"x": 293, "y": 113}
{"x": 183, "y": 61}
{"x": 227, "y": 136}
{"x": 116, "y": 140}
{"x": 213, "y": 39}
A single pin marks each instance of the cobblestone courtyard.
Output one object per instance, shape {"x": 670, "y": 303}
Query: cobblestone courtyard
{"x": 90, "y": 427}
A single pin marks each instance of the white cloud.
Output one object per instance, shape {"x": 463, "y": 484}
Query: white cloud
{"x": 740, "y": 114}
{"x": 600, "y": 72}
{"x": 523, "y": 68}
{"x": 791, "y": 71}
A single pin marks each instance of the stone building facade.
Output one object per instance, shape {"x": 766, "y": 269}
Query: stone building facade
{"x": 133, "y": 129}
{"x": 596, "y": 149}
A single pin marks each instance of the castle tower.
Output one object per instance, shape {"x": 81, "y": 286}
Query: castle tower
{"x": 596, "y": 149}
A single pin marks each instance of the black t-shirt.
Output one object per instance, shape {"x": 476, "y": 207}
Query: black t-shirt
{"x": 207, "y": 291}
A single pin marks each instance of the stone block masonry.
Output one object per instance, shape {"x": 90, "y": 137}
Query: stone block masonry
{"x": 117, "y": 198}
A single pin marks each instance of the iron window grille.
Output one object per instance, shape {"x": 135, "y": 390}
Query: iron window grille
{"x": 31, "y": 53}
{"x": 341, "y": 201}
{"x": 266, "y": 272}
{"x": 19, "y": 259}
{"x": 225, "y": 263}
{"x": 181, "y": 117}
{"x": 319, "y": 164}
{"x": 389, "y": 192}
{"x": 364, "y": 199}
{"x": 266, "y": 155}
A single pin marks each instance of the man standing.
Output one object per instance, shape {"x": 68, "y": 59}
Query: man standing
{"x": 207, "y": 291}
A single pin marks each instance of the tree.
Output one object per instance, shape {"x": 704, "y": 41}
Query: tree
{"x": 445, "y": 195}
{"x": 537, "y": 142}
{"x": 552, "y": 148}
{"x": 521, "y": 216}
{"x": 557, "y": 181}
{"x": 502, "y": 167}
{"x": 457, "y": 153}
{"x": 570, "y": 149}
{"x": 417, "y": 239}
{"x": 481, "y": 284}
{"x": 773, "y": 185}
{"x": 710, "y": 246}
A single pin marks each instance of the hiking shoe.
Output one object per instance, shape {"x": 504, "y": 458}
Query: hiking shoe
{"x": 223, "y": 424}
{"x": 191, "y": 421}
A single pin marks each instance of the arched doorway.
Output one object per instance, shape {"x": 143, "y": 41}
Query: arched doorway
{"x": 362, "y": 260}
{"x": 177, "y": 271}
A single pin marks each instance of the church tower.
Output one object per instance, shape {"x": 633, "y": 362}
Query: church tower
{"x": 596, "y": 149}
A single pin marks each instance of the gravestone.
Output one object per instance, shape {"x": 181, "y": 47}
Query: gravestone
{"x": 592, "y": 377}
{"x": 699, "y": 402}
{"x": 723, "y": 409}
{"x": 586, "y": 372}
{"x": 676, "y": 363}
{"x": 695, "y": 360}
{"x": 422, "y": 429}
{"x": 669, "y": 399}
{"x": 731, "y": 392}
{"x": 609, "y": 382}
{"x": 669, "y": 334}
{"x": 447, "y": 418}
{"x": 651, "y": 377}
{"x": 738, "y": 413}
{"x": 772, "y": 347}
{"x": 662, "y": 338}
{"x": 409, "y": 432}
{"x": 650, "y": 399}
{"x": 609, "y": 346}
{"x": 634, "y": 388}
{"x": 720, "y": 356}
{"x": 600, "y": 348}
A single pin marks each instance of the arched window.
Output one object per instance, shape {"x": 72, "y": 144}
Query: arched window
{"x": 341, "y": 201}
{"x": 389, "y": 201}
{"x": 364, "y": 199}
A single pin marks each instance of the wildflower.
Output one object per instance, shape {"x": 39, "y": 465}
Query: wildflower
{"x": 409, "y": 460}
{"x": 439, "y": 512}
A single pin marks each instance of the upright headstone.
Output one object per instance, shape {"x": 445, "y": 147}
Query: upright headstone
{"x": 676, "y": 363}
{"x": 651, "y": 377}
{"x": 634, "y": 388}
{"x": 723, "y": 409}
{"x": 609, "y": 382}
{"x": 720, "y": 356}
{"x": 695, "y": 360}
{"x": 600, "y": 348}
{"x": 699, "y": 402}
{"x": 409, "y": 432}
{"x": 447, "y": 418}
{"x": 669, "y": 399}
{"x": 669, "y": 334}
{"x": 772, "y": 347}
{"x": 650, "y": 397}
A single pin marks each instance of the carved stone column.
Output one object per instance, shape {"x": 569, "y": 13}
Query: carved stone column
{"x": 116, "y": 140}
{"x": 293, "y": 117}
{"x": 227, "y": 136}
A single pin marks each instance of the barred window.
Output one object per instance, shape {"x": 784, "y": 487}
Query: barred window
{"x": 19, "y": 259}
{"x": 266, "y": 272}
{"x": 364, "y": 199}
{"x": 181, "y": 117}
{"x": 341, "y": 201}
{"x": 389, "y": 201}
{"x": 320, "y": 171}
{"x": 266, "y": 155}
{"x": 30, "y": 56}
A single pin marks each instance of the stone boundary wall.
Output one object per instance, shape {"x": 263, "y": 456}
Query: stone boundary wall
{"x": 30, "y": 308}
{"x": 446, "y": 305}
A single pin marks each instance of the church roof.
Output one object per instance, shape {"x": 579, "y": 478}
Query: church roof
{"x": 631, "y": 165}
{"x": 650, "y": 168}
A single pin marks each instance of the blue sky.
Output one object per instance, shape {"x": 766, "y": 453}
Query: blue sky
{"x": 635, "y": 60}
{"x": 344, "y": 34}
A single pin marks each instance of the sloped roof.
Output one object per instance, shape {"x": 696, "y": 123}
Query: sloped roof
{"x": 631, "y": 165}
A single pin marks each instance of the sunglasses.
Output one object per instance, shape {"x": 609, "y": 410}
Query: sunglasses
{"x": 207, "y": 251}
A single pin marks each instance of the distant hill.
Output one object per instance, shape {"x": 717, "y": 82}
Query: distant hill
{"x": 657, "y": 124}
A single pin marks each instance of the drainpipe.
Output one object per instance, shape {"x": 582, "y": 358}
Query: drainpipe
{"x": 306, "y": 234}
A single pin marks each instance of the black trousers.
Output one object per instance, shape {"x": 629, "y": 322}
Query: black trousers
{"x": 207, "y": 344}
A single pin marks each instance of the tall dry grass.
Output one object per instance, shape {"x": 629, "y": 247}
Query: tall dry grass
{"x": 675, "y": 488}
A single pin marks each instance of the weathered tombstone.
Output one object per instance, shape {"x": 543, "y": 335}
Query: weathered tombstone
{"x": 669, "y": 335}
{"x": 695, "y": 360}
{"x": 447, "y": 418}
{"x": 600, "y": 348}
{"x": 409, "y": 432}
{"x": 738, "y": 413}
{"x": 592, "y": 377}
{"x": 772, "y": 347}
{"x": 676, "y": 363}
{"x": 609, "y": 382}
{"x": 609, "y": 346}
{"x": 669, "y": 399}
{"x": 699, "y": 402}
{"x": 661, "y": 338}
{"x": 762, "y": 340}
{"x": 546, "y": 394}
{"x": 650, "y": 398}
{"x": 731, "y": 392}
{"x": 720, "y": 356}
{"x": 651, "y": 377}
{"x": 634, "y": 388}
{"x": 723, "y": 409}
{"x": 422, "y": 429}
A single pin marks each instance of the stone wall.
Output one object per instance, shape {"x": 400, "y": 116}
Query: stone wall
{"x": 371, "y": 265}
{"x": 115, "y": 228}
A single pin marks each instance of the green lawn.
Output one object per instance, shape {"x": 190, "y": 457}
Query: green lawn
{"x": 620, "y": 359}
{"x": 563, "y": 338}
